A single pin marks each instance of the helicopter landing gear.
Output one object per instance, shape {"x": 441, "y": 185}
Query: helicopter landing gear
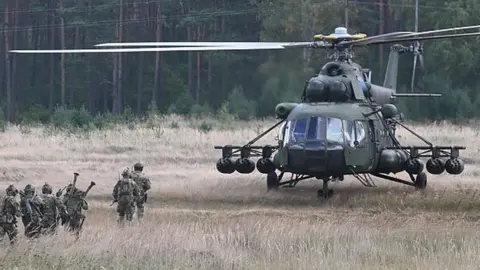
{"x": 325, "y": 192}
{"x": 272, "y": 181}
{"x": 421, "y": 181}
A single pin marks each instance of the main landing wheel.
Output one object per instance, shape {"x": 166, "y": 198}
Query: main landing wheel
{"x": 272, "y": 181}
{"x": 325, "y": 192}
{"x": 421, "y": 181}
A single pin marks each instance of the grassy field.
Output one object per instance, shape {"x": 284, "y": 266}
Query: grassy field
{"x": 197, "y": 218}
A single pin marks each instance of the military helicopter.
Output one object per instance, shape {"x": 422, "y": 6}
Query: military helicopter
{"x": 343, "y": 124}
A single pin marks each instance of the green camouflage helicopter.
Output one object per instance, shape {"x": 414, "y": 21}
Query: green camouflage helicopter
{"x": 343, "y": 124}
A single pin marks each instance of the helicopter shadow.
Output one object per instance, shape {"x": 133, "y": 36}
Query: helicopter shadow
{"x": 346, "y": 193}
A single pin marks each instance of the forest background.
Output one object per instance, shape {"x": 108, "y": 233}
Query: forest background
{"x": 86, "y": 88}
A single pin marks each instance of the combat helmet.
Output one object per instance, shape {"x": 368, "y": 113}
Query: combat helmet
{"x": 47, "y": 189}
{"x": 138, "y": 166}
{"x": 11, "y": 190}
{"x": 126, "y": 173}
{"x": 29, "y": 189}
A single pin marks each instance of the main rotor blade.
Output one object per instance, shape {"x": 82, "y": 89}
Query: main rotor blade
{"x": 401, "y": 39}
{"x": 374, "y": 39}
{"x": 168, "y": 49}
{"x": 185, "y": 44}
{"x": 442, "y": 30}
{"x": 413, "y": 72}
{"x": 252, "y": 44}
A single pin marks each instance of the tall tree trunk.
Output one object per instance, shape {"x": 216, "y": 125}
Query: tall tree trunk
{"x": 158, "y": 67}
{"x": 120, "y": 62}
{"x": 190, "y": 62}
{"x": 94, "y": 88}
{"x": 62, "y": 56}
{"x": 36, "y": 42}
{"x": 213, "y": 35}
{"x": 115, "y": 82}
{"x": 7, "y": 63}
{"x": 15, "y": 83}
{"x": 223, "y": 80}
{"x": 199, "y": 65}
{"x": 223, "y": 18}
{"x": 52, "y": 56}
{"x": 115, "y": 96}
{"x": 140, "y": 82}
{"x": 142, "y": 11}
{"x": 73, "y": 79}
{"x": 186, "y": 12}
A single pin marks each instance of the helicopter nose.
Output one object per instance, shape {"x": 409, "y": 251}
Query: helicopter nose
{"x": 315, "y": 157}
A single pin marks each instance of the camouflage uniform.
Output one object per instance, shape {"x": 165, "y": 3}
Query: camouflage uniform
{"x": 125, "y": 193}
{"x": 74, "y": 202}
{"x": 144, "y": 184}
{"x": 10, "y": 210}
{"x": 33, "y": 208}
{"x": 53, "y": 209}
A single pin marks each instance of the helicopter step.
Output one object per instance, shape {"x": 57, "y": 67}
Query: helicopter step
{"x": 274, "y": 180}
{"x": 419, "y": 182}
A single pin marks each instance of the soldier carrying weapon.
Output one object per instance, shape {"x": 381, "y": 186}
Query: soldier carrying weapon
{"x": 125, "y": 192}
{"x": 74, "y": 200}
{"x": 144, "y": 183}
{"x": 54, "y": 210}
{"x": 32, "y": 207}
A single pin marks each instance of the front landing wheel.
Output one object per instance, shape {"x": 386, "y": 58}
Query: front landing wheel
{"x": 321, "y": 194}
{"x": 421, "y": 181}
{"x": 272, "y": 181}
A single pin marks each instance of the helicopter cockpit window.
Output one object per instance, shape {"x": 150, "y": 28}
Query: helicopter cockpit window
{"x": 318, "y": 129}
{"x": 325, "y": 129}
{"x": 335, "y": 130}
{"x": 300, "y": 129}
{"x": 295, "y": 130}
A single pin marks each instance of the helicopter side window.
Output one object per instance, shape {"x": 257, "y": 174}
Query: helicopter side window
{"x": 288, "y": 132}
{"x": 355, "y": 131}
{"x": 282, "y": 131}
{"x": 360, "y": 133}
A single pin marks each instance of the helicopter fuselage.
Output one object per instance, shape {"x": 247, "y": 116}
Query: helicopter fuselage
{"x": 345, "y": 125}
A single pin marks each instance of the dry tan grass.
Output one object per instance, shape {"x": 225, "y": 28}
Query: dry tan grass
{"x": 199, "y": 219}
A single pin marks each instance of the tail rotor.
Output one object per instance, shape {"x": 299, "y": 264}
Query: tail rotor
{"x": 416, "y": 48}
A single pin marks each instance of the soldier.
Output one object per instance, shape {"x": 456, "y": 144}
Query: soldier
{"x": 125, "y": 193}
{"x": 54, "y": 208}
{"x": 10, "y": 210}
{"x": 74, "y": 202}
{"x": 144, "y": 184}
{"x": 33, "y": 208}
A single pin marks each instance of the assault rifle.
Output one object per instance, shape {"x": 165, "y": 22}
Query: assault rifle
{"x": 83, "y": 198}
{"x": 35, "y": 207}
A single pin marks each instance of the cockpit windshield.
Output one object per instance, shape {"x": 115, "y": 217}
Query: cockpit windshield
{"x": 333, "y": 131}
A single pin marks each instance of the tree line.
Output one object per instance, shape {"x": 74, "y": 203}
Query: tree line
{"x": 246, "y": 83}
